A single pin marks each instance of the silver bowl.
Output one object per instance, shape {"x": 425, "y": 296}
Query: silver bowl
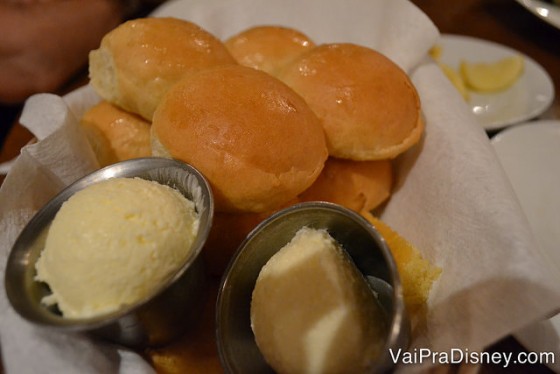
{"x": 236, "y": 343}
{"x": 150, "y": 322}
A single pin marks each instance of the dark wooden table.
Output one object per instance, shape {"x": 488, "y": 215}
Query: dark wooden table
{"x": 501, "y": 21}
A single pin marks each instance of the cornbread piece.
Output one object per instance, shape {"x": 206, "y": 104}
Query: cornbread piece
{"x": 417, "y": 274}
{"x": 253, "y": 137}
{"x": 357, "y": 185}
{"x": 367, "y": 105}
{"x": 115, "y": 243}
{"x": 268, "y": 48}
{"x": 141, "y": 59}
{"x": 115, "y": 134}
{"x": 313, "y": 312}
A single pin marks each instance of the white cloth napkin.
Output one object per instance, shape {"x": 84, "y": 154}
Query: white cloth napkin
{"x": 452, "y": 199}
{"x": 457, "y": 205}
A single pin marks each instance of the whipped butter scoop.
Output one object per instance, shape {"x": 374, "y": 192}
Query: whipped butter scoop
{"x": 115, "y": 243}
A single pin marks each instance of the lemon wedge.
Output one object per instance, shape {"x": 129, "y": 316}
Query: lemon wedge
{"x": 456, "y": 79}
{"x": 492, "y": 76}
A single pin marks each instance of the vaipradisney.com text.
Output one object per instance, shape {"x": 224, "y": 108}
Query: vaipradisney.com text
{"x": 464, "y": 356}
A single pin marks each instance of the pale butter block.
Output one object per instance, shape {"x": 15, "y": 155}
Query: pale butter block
{"x": 313, "y": 312}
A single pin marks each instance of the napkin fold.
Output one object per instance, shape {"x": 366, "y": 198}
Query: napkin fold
{"x": 396, "y": 28}
{"x": 452, "y": 199}
{"x": 456, "y": 204}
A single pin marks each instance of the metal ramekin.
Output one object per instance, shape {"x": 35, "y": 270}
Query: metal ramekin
{"x": 152, "y": 321}
{"x": 236, "y": 343}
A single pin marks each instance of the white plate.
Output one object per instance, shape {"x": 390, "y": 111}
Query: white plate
{"x": 530, "y": 155}
{"x": 528, "y": 97}
{"x": 547, "y": 12}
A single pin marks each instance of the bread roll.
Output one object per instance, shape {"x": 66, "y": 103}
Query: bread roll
{"x": 141, "y": 59}
{"x": 368, "y": 106}
{"x": 357, "y": 185}
{"x": 116, "y": 135}
{"x": 268, "y": 48}
{"x": 256, "y": 140}
{"x": 226, "y": 235}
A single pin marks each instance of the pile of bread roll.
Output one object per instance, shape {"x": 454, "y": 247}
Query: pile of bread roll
{"x": 269, "y": 117}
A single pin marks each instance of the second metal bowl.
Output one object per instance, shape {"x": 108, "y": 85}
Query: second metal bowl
{"x": 236, "y": 343}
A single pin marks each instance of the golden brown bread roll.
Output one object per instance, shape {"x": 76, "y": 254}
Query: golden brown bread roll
{"x": 116, "y": 135}
{"x": 368, "y": 106}
{"x": 268, "y": 48}
{"x": 357, "y": 185}
{"x": 226, "y": 235}
{"x": 141, "y": 59}
{"x": 256, "y": 140}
